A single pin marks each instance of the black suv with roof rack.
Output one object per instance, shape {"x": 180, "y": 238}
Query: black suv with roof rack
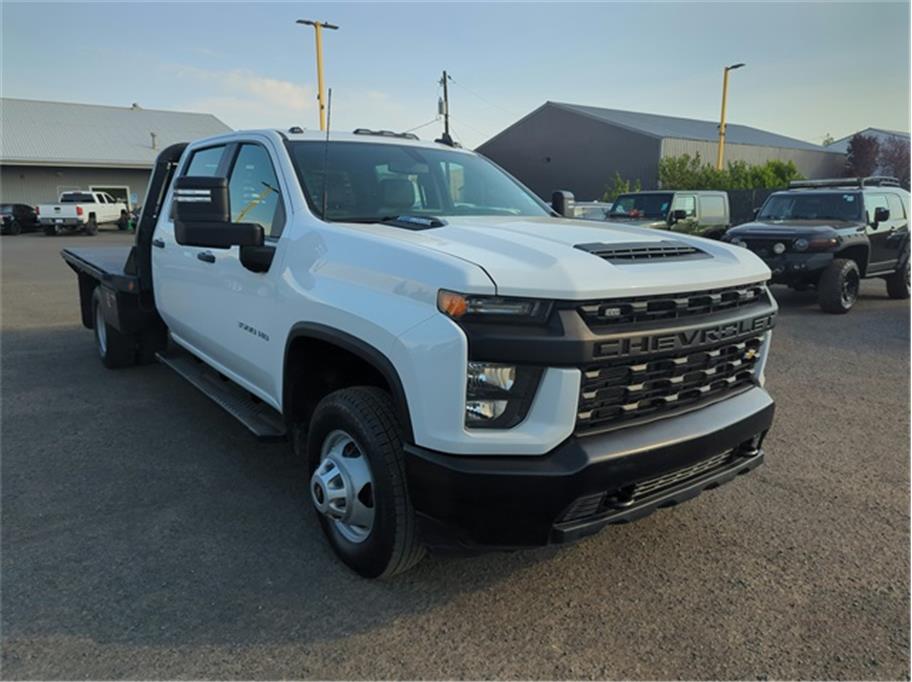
{"x": 831, "y": 234}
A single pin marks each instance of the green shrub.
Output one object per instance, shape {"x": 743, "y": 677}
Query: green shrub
{"x": 691, "y": 172}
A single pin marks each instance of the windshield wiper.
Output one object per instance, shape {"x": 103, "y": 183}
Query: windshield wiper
{"x": 411, "y": 222}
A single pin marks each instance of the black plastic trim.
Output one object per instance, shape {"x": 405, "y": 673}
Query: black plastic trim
{"x": 363, "y": 350}
{"x": 516, "y": 501}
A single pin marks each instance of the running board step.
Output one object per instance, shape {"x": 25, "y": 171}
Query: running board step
{"x": 263, "y": 421}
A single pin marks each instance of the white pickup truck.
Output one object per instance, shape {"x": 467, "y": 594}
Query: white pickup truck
{"x": 81, "y": 210}
{"x": 455, "y": 363}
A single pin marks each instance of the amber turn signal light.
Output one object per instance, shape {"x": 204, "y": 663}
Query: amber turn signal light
{"x": 451, "y": 304}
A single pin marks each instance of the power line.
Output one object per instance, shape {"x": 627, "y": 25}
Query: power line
{"x": 483, "y": 99}
{"x": 423, "y": 125}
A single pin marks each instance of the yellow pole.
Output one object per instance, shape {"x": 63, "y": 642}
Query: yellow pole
{"x": 721, "y": 154}
{"x": 318, "y": 31}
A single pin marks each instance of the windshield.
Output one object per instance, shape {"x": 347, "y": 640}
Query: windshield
{"x": 812, "y": 206}
{"x": 653, "y": 206}
{"x": 368, "y": 182}
{"x": 77, "y": 198}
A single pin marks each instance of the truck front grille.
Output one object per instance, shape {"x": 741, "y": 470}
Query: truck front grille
{"x": 669, "y": 306}
{"x": 618, "y": 392}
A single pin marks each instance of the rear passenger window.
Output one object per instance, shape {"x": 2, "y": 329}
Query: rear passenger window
{"x": 205, "y": 162}
{"x": 897, "y": 212}
{"x": 712, "y": 209}
{"x": 254, "y": 191}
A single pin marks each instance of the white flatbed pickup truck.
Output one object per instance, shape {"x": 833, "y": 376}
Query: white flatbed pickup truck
{"x": 80, "y": 210}
{"x": 457, "y": 364}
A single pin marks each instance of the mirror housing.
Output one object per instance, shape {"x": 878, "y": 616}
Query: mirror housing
{"x": 202, "y": 215}
{"x": 676, "y": 216}
{"x": 881, "y": 215}
{"x": 756, "y": 212}
{"x": 563, "y": 203}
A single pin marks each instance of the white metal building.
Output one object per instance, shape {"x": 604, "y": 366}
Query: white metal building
{"x": 50, "y": 147}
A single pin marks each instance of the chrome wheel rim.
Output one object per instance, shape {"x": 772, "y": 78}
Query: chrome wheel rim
{"x": 342, "y": 488}
{"x": 850, "y": 285}
{"x": 101, "y": 332}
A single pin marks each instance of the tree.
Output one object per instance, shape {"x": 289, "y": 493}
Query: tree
{"x": 862, "y": 155}
{"x": 619, "y": 186}
{"x": 894, "y": 159}
{"x": 828, "y": 140}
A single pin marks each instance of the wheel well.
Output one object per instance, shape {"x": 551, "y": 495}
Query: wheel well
{"x": 857, "y": 253}
{"x": 315, "y": 367}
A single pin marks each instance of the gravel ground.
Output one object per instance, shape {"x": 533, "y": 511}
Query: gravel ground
{"x": 145, "y": 534}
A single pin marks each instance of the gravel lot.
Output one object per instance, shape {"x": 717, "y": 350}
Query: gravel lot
{"x": 145, "y": 534}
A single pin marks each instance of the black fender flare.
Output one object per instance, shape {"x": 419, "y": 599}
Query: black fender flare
{"x": 363, "y": 350}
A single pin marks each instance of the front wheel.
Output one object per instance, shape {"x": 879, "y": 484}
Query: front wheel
{"x": 115, "y": 349}
{"x": 357, "y": 482}
{"x": 839, "y": 284}
{"x": 898, "y": 282}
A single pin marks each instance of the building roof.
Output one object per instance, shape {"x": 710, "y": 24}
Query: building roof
{"x": 38, "y": 133}
{"x": 842, "y": 144}
{"x": 656, "y": 125}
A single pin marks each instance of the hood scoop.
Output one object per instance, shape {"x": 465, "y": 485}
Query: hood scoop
{"x": 637, "y": 252}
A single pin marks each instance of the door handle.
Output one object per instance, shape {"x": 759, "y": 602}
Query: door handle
{"x": 159, "y": 243}
{"x": 206, "y": 256}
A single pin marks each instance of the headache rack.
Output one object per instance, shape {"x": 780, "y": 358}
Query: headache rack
{"x": 870, "y": 181}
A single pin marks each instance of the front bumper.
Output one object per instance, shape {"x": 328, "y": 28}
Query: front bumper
{"x": 797, "y": 267}
{"x": 585, "y": 483}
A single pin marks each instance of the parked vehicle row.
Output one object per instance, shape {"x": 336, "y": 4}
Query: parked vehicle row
{"x": 456, "y": 364}
{"x": 826, "y": 235}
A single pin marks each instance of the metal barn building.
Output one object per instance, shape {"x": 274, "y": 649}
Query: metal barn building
{"x": 51, "y": 147}
{"x": 579, "y": 148}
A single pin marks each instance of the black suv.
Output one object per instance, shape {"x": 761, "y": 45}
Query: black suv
{"x": 14, "y": 218}
{"x": 829, "y": 234}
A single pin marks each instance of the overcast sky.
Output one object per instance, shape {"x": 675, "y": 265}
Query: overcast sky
{"x": 812, "y": 68}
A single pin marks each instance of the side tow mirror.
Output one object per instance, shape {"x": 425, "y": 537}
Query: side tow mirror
{"x": 202, "y": 215}
{"x": 676, "y": 216}
{"x": 563, "y": 203}
{"x": 881, "y": 215}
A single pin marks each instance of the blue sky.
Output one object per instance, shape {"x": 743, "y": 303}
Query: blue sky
{"x": 812, "y": 68}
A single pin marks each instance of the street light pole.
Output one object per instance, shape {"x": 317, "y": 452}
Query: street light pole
{"x": 318, "y": 33}
{"x": 721, "y": 155}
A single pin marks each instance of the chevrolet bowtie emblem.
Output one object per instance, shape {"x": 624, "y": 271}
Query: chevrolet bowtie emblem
{"x": 751, "y": 353}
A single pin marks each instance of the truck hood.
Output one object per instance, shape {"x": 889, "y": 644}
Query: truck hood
{"x": 537, "y": 257}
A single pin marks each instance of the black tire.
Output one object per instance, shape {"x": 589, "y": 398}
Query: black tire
{"x": 898, "y": 282}
{"x": 15, "y": 227}
{"x": 367, "y": 415}
{"x": 91, "y": 227}
{"x": 838, "y": 288}
{"x": 51, "y": 230}
{"x": 116, "y": 350}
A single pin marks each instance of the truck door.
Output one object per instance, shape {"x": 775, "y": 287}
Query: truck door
{"x": 898, "y": 227}
{"x": 178, "y": 274}
{"x": 688, "y": 204}
{"x": 245, "y": 320}
{"x": 878, "y": 236}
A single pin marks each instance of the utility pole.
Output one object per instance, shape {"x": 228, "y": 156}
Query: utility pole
{"x": 444, "y": 108}
{"x": 318, "y": 33}
{"x": 721, "y": 155}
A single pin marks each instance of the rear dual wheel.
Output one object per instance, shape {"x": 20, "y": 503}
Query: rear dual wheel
{"x": 115, "y": 349}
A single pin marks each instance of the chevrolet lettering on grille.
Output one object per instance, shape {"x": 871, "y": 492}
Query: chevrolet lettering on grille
{"x": 688, "y": 338}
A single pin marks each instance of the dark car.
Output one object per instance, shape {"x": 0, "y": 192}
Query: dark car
{"x": 830, "y": 234}
{"x": 17, "y": 218}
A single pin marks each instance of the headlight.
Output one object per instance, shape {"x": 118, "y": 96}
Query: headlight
{"x": 778, "y": 248}
{"x": 469, "y": 307}
{"x": 800, "y": 244}
{"x": 498, "y": 396}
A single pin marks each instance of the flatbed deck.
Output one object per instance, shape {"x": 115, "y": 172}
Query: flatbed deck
{"x": 104, "y": 263}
